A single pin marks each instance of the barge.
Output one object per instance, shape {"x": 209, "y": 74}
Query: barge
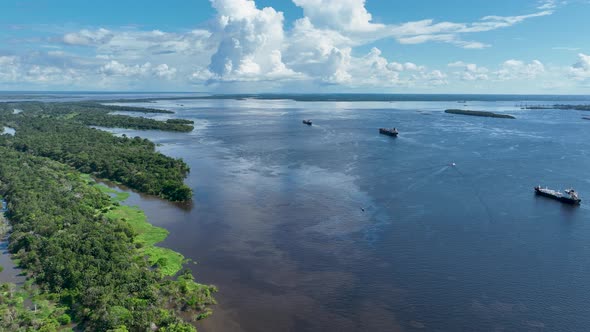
{"x": 570, "y": 196}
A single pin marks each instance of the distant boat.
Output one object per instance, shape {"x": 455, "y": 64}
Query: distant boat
{"x": 570, "y": 196}
{"x": 586, "y": 117}
{"x": 389, "y": 131}
{"x": 307, "y": 122}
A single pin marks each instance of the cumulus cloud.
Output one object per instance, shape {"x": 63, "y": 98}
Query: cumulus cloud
{"x": 250, "y": 42}
{"x": 164, "y": 71}
{"x": 115, "y": 68}
{"x": 581, "y": 69}
{"x": 346, "y": 15}
{"x": 470, "y": 71}
{"x": 432, "y": 78}
{"x": 374, "y": 69}
{"x": 247, "y": 43}
{"x": 516, "y": 69}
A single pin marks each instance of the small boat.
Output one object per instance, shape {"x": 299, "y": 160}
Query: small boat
{"x": 570, "y": 196}
{"x": 307, "y": 122}
{"x": 388, "y": 131}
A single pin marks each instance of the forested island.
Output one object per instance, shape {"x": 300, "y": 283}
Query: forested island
{"x": 479, "y": 113}
{"x": 91, "y": 262}
{"x": 558, "y": 107}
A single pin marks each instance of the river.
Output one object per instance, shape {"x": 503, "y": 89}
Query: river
{"x": 334, "y": 227}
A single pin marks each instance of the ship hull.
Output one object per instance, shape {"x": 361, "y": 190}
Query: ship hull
{"x": 562, "y": 199}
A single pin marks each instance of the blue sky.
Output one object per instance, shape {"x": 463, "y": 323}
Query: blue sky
{"x": 404, "y": 46}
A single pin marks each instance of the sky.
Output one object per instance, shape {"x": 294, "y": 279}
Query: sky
{"x": 296, "y": 46}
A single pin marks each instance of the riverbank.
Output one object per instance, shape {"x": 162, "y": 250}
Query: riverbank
{"x": 168, "y": 261}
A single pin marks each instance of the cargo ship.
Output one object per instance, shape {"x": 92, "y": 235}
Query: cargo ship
{"x": 389, "y": 132}
{"x": 307, "y": 122}
{"x": 570, "y": 196}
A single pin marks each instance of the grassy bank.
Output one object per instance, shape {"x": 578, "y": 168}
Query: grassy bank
{"x": 168, "y": 261}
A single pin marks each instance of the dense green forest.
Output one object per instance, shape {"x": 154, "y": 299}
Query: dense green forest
{"x": 60, "y": 132}
{"x": 90, "y": 264}
{"x": 94, "y": 114}
{"x": 83, "y": 260}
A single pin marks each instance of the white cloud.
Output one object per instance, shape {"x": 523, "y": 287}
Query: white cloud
{"x": 581, "y": 69}
{"x": 550, "y": 4}
{"x": 518, "y": 70}
{"x": 250, "y": 42}
{"x": 374, "y": 69}
{"x": 164, "y": 71}
{"x": 341, "y": 15}
{"x": 117, "y": 69}
{"x": 88, "y": 38}
{"x": 423, "y": 31}
{"x": 154, "y": 46}
{"x": 9, "y": 68}
{"x": 470, "y": 71}
{"x": 245, "y": 43}
{"x": 565, "y": 48}
{"x": 42, "y": 74}
{"x": 433, "y": 78}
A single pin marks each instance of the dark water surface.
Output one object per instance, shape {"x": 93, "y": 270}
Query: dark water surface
{"x": 278, "y": 225}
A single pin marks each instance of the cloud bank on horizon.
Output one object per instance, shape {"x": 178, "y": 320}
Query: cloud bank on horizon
{"x": 336, "y": 45}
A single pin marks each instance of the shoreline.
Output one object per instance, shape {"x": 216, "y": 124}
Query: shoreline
{"x": 169, "y": 262}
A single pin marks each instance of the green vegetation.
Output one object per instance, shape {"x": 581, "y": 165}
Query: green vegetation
{"x": 480, "y": 113}
{"x": 26, "y": 309}
{"x": 168, "y": 261}
{"x": 48, "y": 130}
{"x": 117, "y": 196}
{"x": 180, "y": 121}
{"x": 90, "y": 260}
{"x": 558, "y": 107}
{"x": 94, "y": 114}
{"x": 71, "y": 239}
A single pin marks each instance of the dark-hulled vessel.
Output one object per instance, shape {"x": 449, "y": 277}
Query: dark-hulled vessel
{"x": 569, "y": 197}
{"x": 307, "y": 122}
{"x": 389, "y": 131}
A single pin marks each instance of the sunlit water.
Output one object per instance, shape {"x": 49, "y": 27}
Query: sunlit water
{"x": 334, "y": 227}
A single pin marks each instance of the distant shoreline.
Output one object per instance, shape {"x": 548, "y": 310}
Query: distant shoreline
{"x": 130, "y": 97}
